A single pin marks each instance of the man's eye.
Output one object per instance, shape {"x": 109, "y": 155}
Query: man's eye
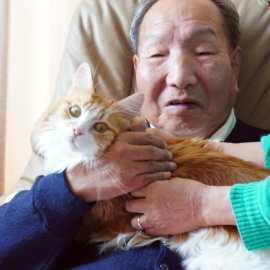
{"x": 157, "y": 55}
{"x": 204, "y": 53}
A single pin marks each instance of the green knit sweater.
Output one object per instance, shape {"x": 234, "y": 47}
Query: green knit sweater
{"x": 251, "y": 207}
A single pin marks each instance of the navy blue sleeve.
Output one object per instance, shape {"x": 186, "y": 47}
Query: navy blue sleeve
{"x": 37, "y": 227}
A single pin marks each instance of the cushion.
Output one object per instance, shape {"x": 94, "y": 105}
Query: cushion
{"x": 253, "y": 101}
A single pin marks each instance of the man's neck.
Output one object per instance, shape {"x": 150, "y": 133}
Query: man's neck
{"x": 223, "y": 132}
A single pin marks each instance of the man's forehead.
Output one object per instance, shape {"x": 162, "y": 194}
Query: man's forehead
{"x": 178, "y": 33}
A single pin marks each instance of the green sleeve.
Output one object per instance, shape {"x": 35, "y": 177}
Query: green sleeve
{"x": 265, "y": 141}
{"x": 251, "y": 207}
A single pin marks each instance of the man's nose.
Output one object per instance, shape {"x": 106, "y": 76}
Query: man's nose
{"x": 181, "y": 71}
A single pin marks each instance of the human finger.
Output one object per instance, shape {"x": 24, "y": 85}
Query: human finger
{"x": 138, "y": 222}
{"x": 144, "y": 138}
{"x": 138, "y": 193}
{"x": 147, "y": 179}
{"x": 136, "y": 205}
{"x": 142, "y": 222}
{"x": 149, "y": 152}
{"x": 151, "y": 166}
{"x": 139, "y": 146}
{"x": 139, "y": 124}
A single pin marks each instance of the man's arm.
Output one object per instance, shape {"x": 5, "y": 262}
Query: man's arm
{"x": 252, "y": 151}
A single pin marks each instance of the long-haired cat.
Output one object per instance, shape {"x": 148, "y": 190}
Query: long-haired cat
{"x": 81, "y": 126}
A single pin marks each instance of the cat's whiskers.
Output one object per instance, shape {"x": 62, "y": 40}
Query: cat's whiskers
{"x": 112, "y": 172}
{"x": 94, "y": 74}
{"x": 97, "y": 83}
{"x": 95, "y": 71}
{"x": 96, "y": 178}
{"x": 98, "y": 168}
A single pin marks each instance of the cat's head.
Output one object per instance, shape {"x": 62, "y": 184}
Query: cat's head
{"x": 80, "y": 126}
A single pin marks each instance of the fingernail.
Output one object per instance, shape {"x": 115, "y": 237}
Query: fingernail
{"x": 170, "y": 155}
{"x": 173, "y": 166}
{"x": 167, "y": 175}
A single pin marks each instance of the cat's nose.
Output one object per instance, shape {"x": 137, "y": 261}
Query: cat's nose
{"x": 77, "y": 132}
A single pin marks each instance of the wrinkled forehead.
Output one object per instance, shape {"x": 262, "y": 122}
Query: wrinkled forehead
{"x": 186, "y": 33}
{"x": 176, "y": 13}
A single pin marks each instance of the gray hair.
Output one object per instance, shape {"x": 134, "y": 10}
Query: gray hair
{"x": 229, "y": 15}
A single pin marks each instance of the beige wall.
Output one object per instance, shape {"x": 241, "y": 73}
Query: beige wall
{"x": 37, "y": 30}
{"x": 3, "y": 82}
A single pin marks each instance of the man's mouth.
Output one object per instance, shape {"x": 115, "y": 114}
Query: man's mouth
{"x": 180, "y": 106}
{"x": 175, "y": 103}
{"x": 180, "y": 102}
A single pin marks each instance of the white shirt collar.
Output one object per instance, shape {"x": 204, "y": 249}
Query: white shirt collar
{"x": 222, "y": 133}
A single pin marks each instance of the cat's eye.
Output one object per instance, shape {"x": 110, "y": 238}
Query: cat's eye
{"x": 100, "y": 127}
{"x": 75, "y": 111}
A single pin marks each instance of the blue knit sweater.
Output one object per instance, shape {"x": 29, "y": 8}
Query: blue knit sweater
{"x": 37, "y": 229}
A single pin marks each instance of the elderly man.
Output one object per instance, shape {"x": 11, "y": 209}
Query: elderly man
{"x": 176, "y": 54}
{"x": 192, "y": 61}
{"x": 187, "y": 63}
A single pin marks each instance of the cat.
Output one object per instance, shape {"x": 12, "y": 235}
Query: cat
{"x": 80, "y": 127}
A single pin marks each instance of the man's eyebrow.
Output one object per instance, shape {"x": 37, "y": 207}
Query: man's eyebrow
{"x": 154, "y": 38}
{"x": 204, "y": 32}
{"x": 199, "y": 32}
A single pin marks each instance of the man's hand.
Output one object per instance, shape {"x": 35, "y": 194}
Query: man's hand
{"x": 180, "y": 205}
{"x": 133, "y": 161}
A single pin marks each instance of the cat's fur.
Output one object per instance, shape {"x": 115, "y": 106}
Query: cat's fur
{"x": 108, "y": 222}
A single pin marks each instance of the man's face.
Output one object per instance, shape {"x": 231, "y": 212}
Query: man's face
{"x": 185, "y": 68}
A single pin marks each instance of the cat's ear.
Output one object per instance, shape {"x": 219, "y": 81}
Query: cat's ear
{"x": 131, "y": 106}
{"x": 83, "y": 77}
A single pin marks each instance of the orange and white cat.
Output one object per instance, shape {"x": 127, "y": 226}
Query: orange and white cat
{"x": 80, "y": 127}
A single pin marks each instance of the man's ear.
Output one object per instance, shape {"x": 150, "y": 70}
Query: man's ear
{"x": 236, "y": 57}
{"x": 135, "y": 61}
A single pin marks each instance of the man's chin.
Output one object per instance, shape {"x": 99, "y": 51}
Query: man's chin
{"x": 184, "y": 130}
